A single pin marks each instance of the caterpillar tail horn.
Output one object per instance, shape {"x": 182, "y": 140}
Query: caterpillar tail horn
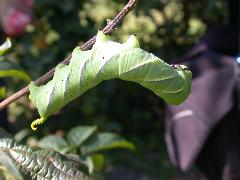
{"x": 37, "y": 122}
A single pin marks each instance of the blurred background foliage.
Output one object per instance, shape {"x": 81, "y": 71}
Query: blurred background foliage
{"x": 167, "y": 28}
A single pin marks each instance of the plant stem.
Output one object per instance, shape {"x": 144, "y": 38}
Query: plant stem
{"x": 110, "y": 27}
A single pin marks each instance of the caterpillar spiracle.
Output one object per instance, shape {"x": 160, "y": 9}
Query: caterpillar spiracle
{"x": 108, "y": 60}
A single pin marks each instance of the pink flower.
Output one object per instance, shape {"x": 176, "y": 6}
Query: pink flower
{"x": 16, "y": 22}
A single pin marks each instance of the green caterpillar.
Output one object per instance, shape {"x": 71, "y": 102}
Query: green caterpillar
{"x": 109, "y": 60}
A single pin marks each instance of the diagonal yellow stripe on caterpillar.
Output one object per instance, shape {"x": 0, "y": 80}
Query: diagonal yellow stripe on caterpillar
{"x": 109, "y": 60}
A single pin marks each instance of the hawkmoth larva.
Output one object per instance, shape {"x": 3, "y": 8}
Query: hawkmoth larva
{"x": 109, "y": 60}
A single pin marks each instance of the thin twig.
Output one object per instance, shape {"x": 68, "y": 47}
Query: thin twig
{"x": 110, "y": 27}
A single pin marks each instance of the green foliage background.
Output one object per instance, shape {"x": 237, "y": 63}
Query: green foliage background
{"x": 167, "y": 28}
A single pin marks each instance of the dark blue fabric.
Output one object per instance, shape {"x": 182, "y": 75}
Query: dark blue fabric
{"x": 205, "y": 129}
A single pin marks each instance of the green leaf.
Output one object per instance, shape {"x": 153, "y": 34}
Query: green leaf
{"x": 8, "y": 69}
{"x": 69, "y": 161}
{"x": 43, "y": 164}
{"x": 5, "y": 47}
{"x": 77, "y": 159}
{"x": 8, "y": 143}
{"x": 9, "y": 168}
{"x": 106, "y": 141}
{"x": 53, "y": 142}
{"x": 48, "y": 165}
{"x": 78, "y": 135}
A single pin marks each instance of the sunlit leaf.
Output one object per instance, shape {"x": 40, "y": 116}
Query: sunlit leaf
{"x": 73, "y": 162}
{"x": 5, "y": 47}
{"x": 43, "y": 164}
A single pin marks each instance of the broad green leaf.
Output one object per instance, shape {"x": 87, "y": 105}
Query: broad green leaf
{"x": 77, "y": 159}
{"x": 71, "y": 161}
{"x": 5, "y": 47}
{"x": 53, "y": 142}
{"x": 44, "y": 164}
{"x": 109, "y": 60}
{"x": 50, "y": 165}
{"x": 78, "y": 135}
{"x": 106, "y": 141}
{"x": 8, "y": 69}
{"x": 8, "y": 143}
{"x": 10, "y": 170}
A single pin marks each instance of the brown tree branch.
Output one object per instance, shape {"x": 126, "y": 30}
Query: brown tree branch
{"x": 110, "y": 27}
